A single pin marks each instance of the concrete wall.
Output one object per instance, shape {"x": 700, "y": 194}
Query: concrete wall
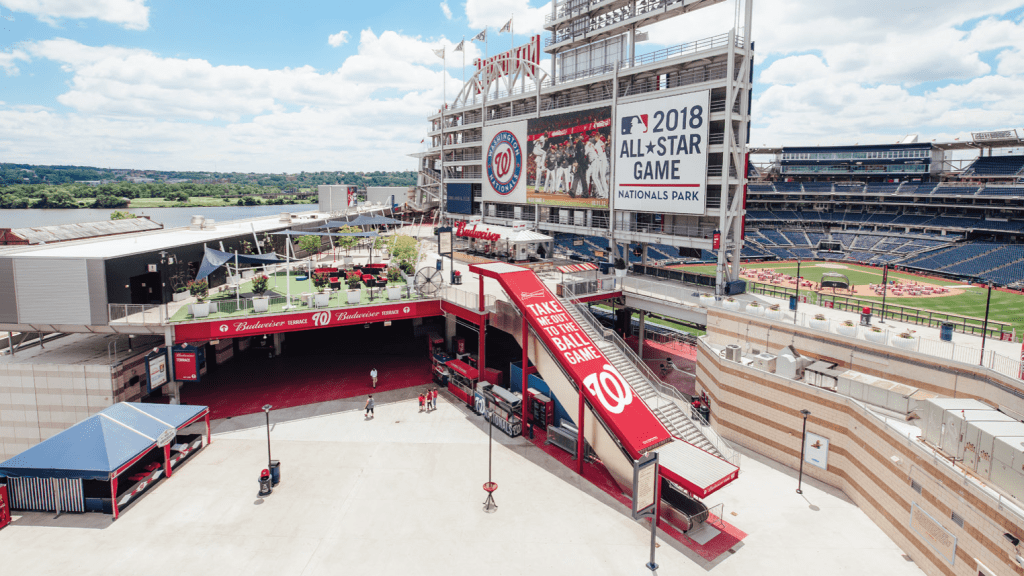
{"x": 39, "y": 400}
{"x": 871, "y": 462}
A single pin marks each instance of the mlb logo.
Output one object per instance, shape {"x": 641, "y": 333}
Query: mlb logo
{"x": 634, "y": 125}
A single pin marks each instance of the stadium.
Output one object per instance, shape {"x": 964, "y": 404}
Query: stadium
{"x": 644, "y": 330}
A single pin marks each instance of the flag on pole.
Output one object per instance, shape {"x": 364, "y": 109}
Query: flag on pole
{"x": 507, "y": 27}
{"x": 439, "y": 53}
{"x": 460, "y": 46}
{"x": 482, "y": 36}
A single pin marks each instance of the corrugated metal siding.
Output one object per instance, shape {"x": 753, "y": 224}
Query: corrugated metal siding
{"x": 37, "y": 494}
{"x": 52, "y": 291}
{"x": 692, "y": 463}
{"x": 8, "y": 304}
{"x": 96, "y": 270}
{"x": 64, "y": 232}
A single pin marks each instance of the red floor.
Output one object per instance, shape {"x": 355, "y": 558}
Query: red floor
{"x": 247, "y": 382}
{"x": 598, "y": 475}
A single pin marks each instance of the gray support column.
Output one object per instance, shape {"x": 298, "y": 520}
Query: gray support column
{"x": 643, "y": 334}
{"x": 278, "y": 342}
{"x": 723, "y": 212}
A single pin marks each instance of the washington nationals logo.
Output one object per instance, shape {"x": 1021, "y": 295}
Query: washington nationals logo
{"x": 610, "y": 389}
{"x": 504, "y": 162}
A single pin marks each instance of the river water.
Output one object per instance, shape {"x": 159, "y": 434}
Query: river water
{"x": 169, "y": 217}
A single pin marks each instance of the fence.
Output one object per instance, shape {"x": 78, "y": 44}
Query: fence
{"x": 137, "y": 313}
{"x": 911, "y": 315}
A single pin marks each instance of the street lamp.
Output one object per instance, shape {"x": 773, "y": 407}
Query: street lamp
{"x": 803, "y": 442}
{"x": 266, "y": 409}
{"x": 489, "y": 504}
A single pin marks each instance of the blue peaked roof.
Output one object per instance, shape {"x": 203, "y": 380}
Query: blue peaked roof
{"x": 99, "y": 445}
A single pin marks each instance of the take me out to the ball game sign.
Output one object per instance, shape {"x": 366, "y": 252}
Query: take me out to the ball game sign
{"x": 504, "y": 174}
{"x": 661, "y": 154}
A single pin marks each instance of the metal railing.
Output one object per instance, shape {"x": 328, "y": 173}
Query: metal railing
{"x": 466, "y": 299}
{"x": 668, "y": 291}
{"x": 136, "y": 313}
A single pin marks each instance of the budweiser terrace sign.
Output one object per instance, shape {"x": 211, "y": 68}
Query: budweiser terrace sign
{"x": 308, "y": 320}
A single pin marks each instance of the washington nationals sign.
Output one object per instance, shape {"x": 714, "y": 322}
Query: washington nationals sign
{"x": 270, "y": 324}
{"x": 608, "y": 392}
{"x": 505, "y": 175}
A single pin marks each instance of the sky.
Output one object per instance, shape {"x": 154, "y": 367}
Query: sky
{"x": 260, "y": 86}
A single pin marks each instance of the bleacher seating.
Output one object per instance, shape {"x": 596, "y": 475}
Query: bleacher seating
{"x": 957, "y": 190}
{"x": 865, "y": 242}
{"x": 817, "y": 186}
{"x": 1001, "y": 191}
{"x": 775, "y": 237}
{"x": 796, "y": 237}
{"x": 815, "y": 237}
{"x": 996, "y": 166}
{"x": 788, "y": 187}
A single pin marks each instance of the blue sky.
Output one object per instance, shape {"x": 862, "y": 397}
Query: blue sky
{"x": 284, "y": 87}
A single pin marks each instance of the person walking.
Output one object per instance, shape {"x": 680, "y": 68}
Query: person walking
{"x": 421, "y": 398}
{"x": 369, "y": 407}
{"x": 373, "y": 376}
{"x": 433, "y": 397}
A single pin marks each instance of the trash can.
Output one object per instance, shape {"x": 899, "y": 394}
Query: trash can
{"x": 440, "y": 262}
{"x": 265, "y": 484}
{"x": 792, "y": 302}
{"x": 946, "y": 331}
{"x": 275, "y": 472}
{"x": 705, "y": 413}
{"x": 865, "y": 316}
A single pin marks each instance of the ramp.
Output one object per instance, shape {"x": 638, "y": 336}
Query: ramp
{"x": 572, "y": 364}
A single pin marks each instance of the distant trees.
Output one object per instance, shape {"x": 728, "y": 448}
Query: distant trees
{"x": 119, "y": 215}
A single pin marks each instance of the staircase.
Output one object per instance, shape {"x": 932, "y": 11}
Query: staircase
{"x": 644, "y": 383}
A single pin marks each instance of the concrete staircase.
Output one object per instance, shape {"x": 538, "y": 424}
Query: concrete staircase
{"x": 666, "y": 409}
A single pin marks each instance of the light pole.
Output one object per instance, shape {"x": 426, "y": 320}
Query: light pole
{"x": 266, "y": 409}
{"x": 803, "y": 442}
{"x": 489, "y": 505}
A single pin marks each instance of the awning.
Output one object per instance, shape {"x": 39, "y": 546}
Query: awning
{"x": 700, "y": 472}
{"x": 214, "y": 259}
{"x": 98, "y": 446}
{"x": 330, "y": 234}
{"x": 463, "y": 368}
{"x": 577, "y": 268}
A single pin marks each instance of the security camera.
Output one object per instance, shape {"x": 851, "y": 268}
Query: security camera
{"x": 1014, "y": 541}
{"x": 1020, "y": 560}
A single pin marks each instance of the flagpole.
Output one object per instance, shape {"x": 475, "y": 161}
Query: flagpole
{"x": 511, "y": 34}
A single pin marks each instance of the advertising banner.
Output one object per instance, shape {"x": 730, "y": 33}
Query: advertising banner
{"x": 661, "y": 158}
{"x": 567, "y": 159}
{"x": 504, "y": 167}
{"x": 186, "y": 364}
{"x": 460, "y": 198}
{"x": 5, "y": 508}
{"x": 156, "y": 367}
{"x": 816, "y": 450}
{"x": 607, "y": 391}
{"x": 233, "y": 327}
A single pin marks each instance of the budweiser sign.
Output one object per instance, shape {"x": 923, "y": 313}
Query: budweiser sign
{"x": 462, "y": 230}
{"x": 201, "y": 331}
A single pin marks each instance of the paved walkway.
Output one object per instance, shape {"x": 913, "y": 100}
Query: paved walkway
{"x": 401, "y": 494}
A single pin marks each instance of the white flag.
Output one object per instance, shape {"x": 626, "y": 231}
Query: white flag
{"x": 507, "y": 27}
{"x": 439, "y": 53}
{"x": 481, "y": 37}
{"x": 460, "y": 46}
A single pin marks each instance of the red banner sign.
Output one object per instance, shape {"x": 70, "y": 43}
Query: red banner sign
{"x": 272, "y": 324}
{"x": 5, "y": 508}
{"x": 609, "y": 393}
{"x": 511, "y": 61}
{"x": 186, "y": 366}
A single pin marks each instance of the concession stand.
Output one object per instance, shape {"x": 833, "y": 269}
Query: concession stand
{"x": 439, "y": 366}
{"x": 106, "y": 461}
{"x": 516, "y": 244}
{"x": 462, "y": 379}
{"x": 507, "y": 408}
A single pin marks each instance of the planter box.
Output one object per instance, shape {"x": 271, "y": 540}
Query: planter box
{"x": 773, "y": 313}
{"x": 848, "y": 331}
{"x": 200, "y": 310}
{"x": 876, "y": 337}
{"x": 246, "y": 274}
{"x": 179, "y": 296}
{"x": 904, "y": 343}
{"x": 819, "y": 324}
{"x": 394, "y": 292}
{"x": 707, "y": 300}
{"x": 731, "y": 304}
{"x": 354, "y": 296}
{"x": 755, "y": 310}
{"x": 261, "y": 304}
{"x": 321, "y": 299}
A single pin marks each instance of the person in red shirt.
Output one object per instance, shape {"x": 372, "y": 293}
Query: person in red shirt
{"x": 433, "y": 399}
{"x": 421, "y": 401}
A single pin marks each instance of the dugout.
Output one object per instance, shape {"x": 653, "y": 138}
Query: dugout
{"x": 106, "y": 461}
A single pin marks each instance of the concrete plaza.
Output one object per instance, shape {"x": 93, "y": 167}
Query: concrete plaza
{"x": 401, "y": 494}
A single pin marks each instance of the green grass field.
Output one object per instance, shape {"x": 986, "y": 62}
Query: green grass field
{"x": 1005, "y": 307}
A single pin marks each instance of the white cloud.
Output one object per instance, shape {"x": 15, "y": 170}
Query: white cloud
{"x": 8, "y": 59}
{"x": 495, "y": 13}
{"x": 446, "y": 10}
{"x": 338, "y": 39}
{"x": 794, "y": 69}
{"x": 132, "y": 107}
{"x": 130, "y": 14}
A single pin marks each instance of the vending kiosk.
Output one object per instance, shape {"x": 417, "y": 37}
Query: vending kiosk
{"x": 507, "y": 407}
{"x": 439, "y": 369}
{"x": 542, "y": 409}
{"x": 462, "y": 380}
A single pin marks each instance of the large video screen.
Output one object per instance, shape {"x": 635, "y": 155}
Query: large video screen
{"x": 567, "y": 159}
{"x": 661, "y": 159}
